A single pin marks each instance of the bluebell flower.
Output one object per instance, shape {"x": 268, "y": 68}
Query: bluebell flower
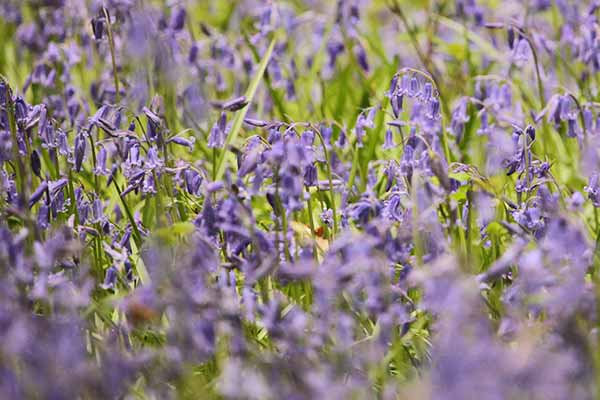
{"x": 572, "y": 129}
{"x": 593, "y": 190}
{"x": 110, "y": 278}
{"x": 38, "y": 193}
{"x": 413, "y": 87}
{"x": 361, "y": 57}
{"x": 79, "y": 150}
{"x": 178, "y": 19}
{"x": 397, "y": 104}
{"x": 459, "y": 119}
{"x": 389, "y": 140}
{"x": 327, "y": 217}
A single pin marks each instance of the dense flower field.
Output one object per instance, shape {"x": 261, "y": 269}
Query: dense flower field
{"x": 299, "y": 199}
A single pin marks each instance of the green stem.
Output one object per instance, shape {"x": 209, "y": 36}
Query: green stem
{"x": 158, "y": 202}
{"x": 241, "y": 114}
{"x": 415, "y": 223}
{"x": 538, "y": 76}
{"x": 93, "y": 147}
{"x": 469, "y": 232}
{"x": 12, "y": 123}
{"x": 354, "y": 169}
{"x": 580, "y": 110}
{"x": 330, "y": 178}
{"x": 597, "y": 245}
{"x": 111, "y": 44}
{"x": 214, "y": 162}
{"x": 284, "y": 225}
{"x": 74, "y": 208}
{"x": 135, "y": 232}
{"x": 311, "y": 223}
{"x": 526, "y": 153}
{"x": 274, "y": 95}
{"x": 596, "y": 280}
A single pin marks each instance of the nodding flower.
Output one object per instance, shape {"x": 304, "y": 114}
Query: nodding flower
{"x": 178, "y": 19}
{"x": 510, "y": 37}
{"x": 341, "y": 140}
{"x": 101, "y": 158}
{"x": 43, "y": 217}
{"x": 110, "y": 278}
{"x": 484, "y": 127}
{"x": 427, "y": 92}
{"x": 310, "y": 175}
{"x": 389, "y": 140}
{"x": 38, "y": 193}
{"x": 35, "y": 163}
{"x": 397, "y": 104}
{"x": 593, "y": 189}
{"x": 192, "y": 180}
{"x": 361, "y": 57}
{"x": 327, "y": 217}
{"x": 413, "y": 87}
{"x": 572, "y": 128}
{"x": 393, "y": 85}
{"x": 521, "y": 53}
{"x": 459, "y": 118}
{"x": 98, "y": 27}
{"x": 189, "y": 143}
{"x": 216, "y": 138}
{"x": 79, "y": 150}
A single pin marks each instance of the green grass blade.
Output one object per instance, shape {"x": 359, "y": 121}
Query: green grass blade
{"x": 239, "y": 118}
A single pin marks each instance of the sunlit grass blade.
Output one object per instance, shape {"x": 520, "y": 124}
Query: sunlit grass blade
{"x": 239, "y": 118}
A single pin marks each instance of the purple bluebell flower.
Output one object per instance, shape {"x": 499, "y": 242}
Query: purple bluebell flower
{"x": 38, "y": 193}
{"x": 98, "y": 27}
{"x": 341, "y": 140}
{"x": 101, "y": 157}
{"x": 193, "y": 180}
{"x": 334, "y": 49}
{"x": 413, "y": 87}
{"x": 572, "y": 129}
{"x": 593, "y": 190}
{"x": 389, "y": 140}
{"x": 216, "y": 139}
{"x": 43, "y": 217}
{"x": 110, "y": 278}
{"x": 149, "y": 185}
{"x": 510, "y": 37}
{"x": 361, "y": 57}
{"x": 588, "y": 118}
{"x": 310, "y": 175}
{"x": 393, "y": 86}
{"x": 484, "y": 127}
{"x": 79, "y": 150}
{"x": 397, "y": 104}
{"x": 327, "y": 217}
{"x": 365, "y": 209}
{"x": 235, "y": 104}
{"x": 459, "y": 118}
{"x": 521, "y": 53}
{"x": 189, "y": 143}
{"x": 35, "y": 163}
{"x": 178, "y": 19}
{"x": 153, "y": 160}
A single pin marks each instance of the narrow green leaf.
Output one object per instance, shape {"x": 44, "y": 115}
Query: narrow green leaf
{"x": 239, "y": 118}
{"x": 139, "y": 265}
